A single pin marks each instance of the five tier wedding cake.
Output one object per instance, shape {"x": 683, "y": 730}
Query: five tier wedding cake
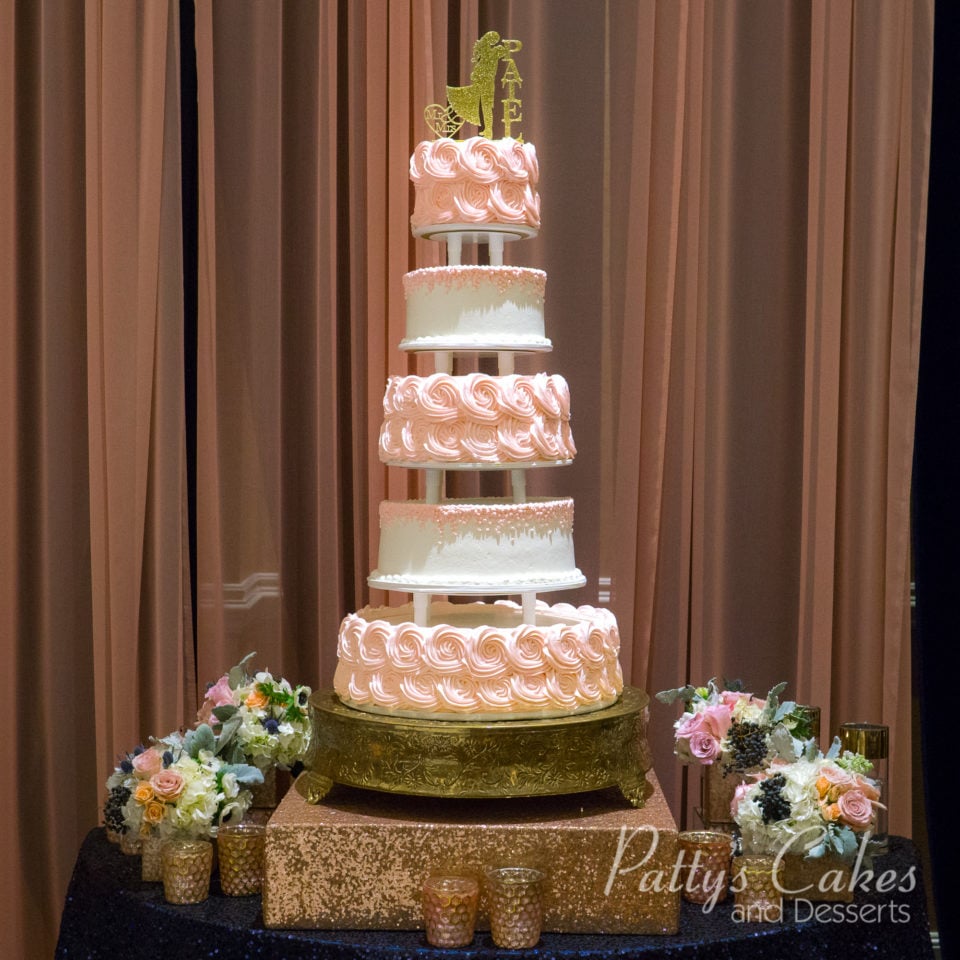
{"x": 477, "y": 660}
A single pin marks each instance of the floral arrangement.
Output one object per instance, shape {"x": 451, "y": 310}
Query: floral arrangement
{"x": 178, "y": 787}
{"x": 815, "y": 804}
{"x": 258, "y": 719}
{"x": 723, "y": 724}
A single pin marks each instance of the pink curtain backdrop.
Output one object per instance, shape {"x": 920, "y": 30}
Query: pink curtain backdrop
{"x": 734, "y": 213}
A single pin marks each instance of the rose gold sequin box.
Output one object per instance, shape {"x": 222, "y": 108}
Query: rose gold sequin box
{"x": 358, "y": 859}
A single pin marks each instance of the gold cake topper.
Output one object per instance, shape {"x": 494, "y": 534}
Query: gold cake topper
{"x": 475, "y": 103}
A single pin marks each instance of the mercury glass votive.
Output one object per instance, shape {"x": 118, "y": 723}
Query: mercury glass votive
{"x": 515, "y": 900}
{"x": 757, "y": 892}
{"x": 130, "y": 843}
{"x": 450, "y": 910}
{"x": 151, "y": 865}
{"x": 240, "y": 851}
{"x": 706, "y": 864}
{"x": 186, "y": 870}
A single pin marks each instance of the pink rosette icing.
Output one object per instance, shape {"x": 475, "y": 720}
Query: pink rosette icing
{"x": 476, "y": 419}
{"x": 498, "y": 668}
{"x": 475, "y": 181}
{"x": 487, "y": 654}
{"x": 445, "y": 651}
{"x": 457, "y": 693}
{"x": 420, "y": 690}
{"x": 404, "y": 649}
{"x": 496, "y": 694}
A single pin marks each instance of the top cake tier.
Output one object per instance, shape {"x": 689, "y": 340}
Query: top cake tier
{"x": 476, "y": 186}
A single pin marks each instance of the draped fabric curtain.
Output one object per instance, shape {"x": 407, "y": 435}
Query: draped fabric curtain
{"x": 96, "y": 606}
{"x": 733, "y": 222}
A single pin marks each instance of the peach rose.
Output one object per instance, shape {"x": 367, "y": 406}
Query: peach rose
{"x": 143, "y": 793}
{"x": 148, "y": 763}
{"x": 867, "y": 787}
{"x": 167, "y": 784}
{"x": 855, "y": 809}
{"x": 257, "y": 700}
{"x": 153, "y": 812}
{"x": 830, "y": 811}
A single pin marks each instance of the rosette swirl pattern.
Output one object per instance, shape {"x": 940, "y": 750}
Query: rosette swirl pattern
{"x": 475, "y": 181}
{"x": 566, "y": 663}
{"x": 476, "y": 419}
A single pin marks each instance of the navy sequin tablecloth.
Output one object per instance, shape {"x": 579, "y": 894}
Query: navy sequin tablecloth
{"x": 109, "y": 912}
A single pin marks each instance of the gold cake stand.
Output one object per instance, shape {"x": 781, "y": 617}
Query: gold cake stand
{"x": 502, "y": 758}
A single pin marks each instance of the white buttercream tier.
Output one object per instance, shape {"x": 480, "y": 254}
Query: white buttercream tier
{"x": 475, "y": 183}
{"x": 479, "y": 661}
{"x": 468, "y": 307}
{"x": 483, "y": 546}
{"x": 477, "y": 418}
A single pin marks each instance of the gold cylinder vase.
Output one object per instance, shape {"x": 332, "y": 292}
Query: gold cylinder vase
{"x": 716, "y": 795}
{"x": 151, "y": 863}
{"x": 757, "y": 889}
{"x": 240, "y": 848}
{"x": 186, "y": 870}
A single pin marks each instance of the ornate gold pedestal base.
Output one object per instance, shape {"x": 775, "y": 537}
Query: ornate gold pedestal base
{"x": 358, "y": 859}
{"x": 502, "y": 758}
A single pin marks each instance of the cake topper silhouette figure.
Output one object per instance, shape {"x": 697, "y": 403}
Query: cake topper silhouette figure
{"x": 476, "y": 102}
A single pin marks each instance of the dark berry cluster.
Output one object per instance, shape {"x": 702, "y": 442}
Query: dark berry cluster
{"x": 748, "y": 745}
{"x": 113, "y": 808}
{"x": 773, "y": 805}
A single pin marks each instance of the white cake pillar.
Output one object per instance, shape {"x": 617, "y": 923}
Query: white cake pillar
{"x": 454, "y": 249}
{"x": 434, "y": 485}
{"x": 421, "y": 608}
{"x": 529, "y": 599}
{"x": 495, "y": 245}
{"x": 518, "y": 485}
{"x": 505, "y": 364}
{"x": 443, "y": 361}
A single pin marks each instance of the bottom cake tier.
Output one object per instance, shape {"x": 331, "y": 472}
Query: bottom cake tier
{"x": 358, "y": 859}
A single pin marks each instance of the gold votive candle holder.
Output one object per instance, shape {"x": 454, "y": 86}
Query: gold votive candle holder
{"x": 240, "y": 849}
{"x": 705, "y": 867}
{"x": 757, "y": 892}
{"x": 515, "y": 901}
{"x": 151, "y": 864}
{"x": 130, "y": 843}
{"x": 450, "y": 910}
{"x": 186, "y": 870}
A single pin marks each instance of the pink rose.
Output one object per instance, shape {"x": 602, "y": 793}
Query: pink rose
{"x": 689, "y": 725}
{"x": 855, "y": 809}
{"x": 167, "y": 784}
{"x": 148, "y": 763}
{"x": 730, "y": 698}
{"x": 738, "y": 795}
{"x": 219, "y": 695}
{"x": 704, "y": 747}
{"x": 837, "y": 776}
{"x": 717, "y": 718}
